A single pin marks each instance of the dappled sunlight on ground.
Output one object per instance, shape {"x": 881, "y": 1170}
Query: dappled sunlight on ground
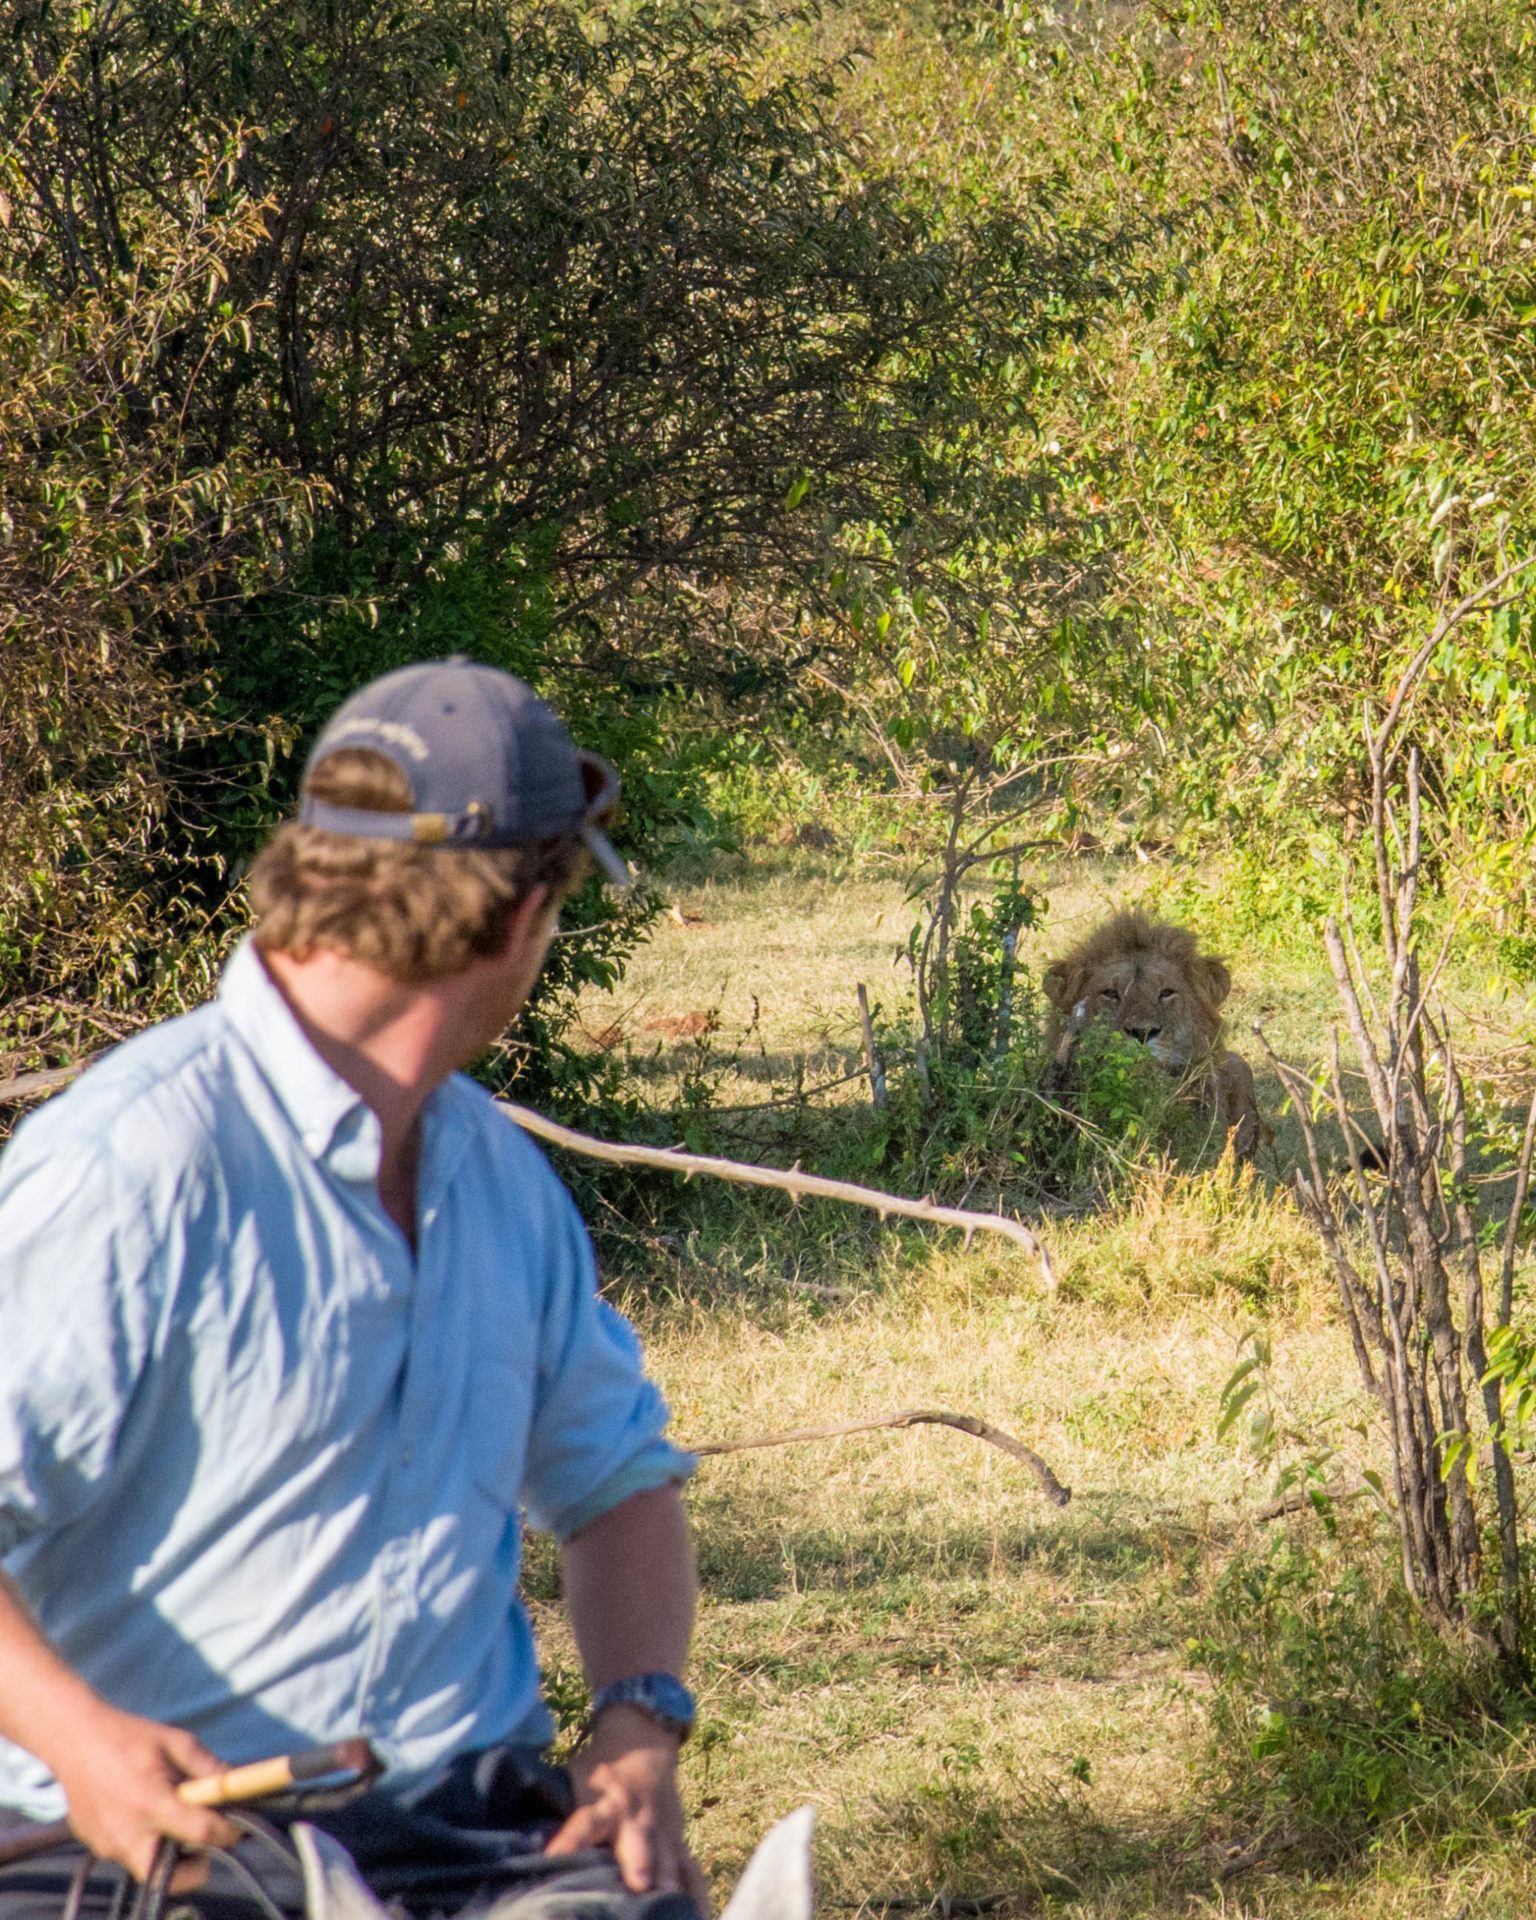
{"x": 989, "y": 1700}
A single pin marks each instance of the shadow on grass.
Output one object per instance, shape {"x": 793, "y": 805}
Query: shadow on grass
{"x": 1045, "y": 1850}
{"x": 967, "y": 1838}
{"x": 897, "y": 1561}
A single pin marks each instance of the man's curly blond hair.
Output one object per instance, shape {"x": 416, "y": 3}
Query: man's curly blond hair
{"x": 416, "y": 913}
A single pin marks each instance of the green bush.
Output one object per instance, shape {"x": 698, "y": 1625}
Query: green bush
{"x": 1324, "y": 429}
{"x": 1339, "y": 1716}
{"x": 1298, "y": 440}
{"x": 1004, "y": 1127}
{"x": 122, "y": 539}
{"x": 977, "y": 1108}
{"x": 573, "y": 332}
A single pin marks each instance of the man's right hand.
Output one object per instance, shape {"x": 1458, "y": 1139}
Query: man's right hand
{"x": 119, "y": 1774}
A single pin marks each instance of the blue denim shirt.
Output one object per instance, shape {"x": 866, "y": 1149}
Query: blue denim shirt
{"x": 260, "y": 1468}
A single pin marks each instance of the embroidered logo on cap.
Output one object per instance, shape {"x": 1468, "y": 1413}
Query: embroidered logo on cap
{"x": 396, "y": 732}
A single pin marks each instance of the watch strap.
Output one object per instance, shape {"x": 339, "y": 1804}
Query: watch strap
{"x": 660, "y": 1695}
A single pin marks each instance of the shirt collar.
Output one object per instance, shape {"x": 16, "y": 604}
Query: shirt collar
{"x": 337, "y": 1126}
{"x": 335, "y": 1123}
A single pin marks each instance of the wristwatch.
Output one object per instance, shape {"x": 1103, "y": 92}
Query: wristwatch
{"x": 661, "y": 1695}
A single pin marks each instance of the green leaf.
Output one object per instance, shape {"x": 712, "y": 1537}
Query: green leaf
{"x": 1232, "y": 1404}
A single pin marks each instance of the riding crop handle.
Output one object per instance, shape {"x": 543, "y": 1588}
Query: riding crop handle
{"x": 236, "y": 1784}
{"x": 261, "y": 1777}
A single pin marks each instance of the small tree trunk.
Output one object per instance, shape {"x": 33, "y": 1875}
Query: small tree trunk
{"x": 1416, "y": 1308}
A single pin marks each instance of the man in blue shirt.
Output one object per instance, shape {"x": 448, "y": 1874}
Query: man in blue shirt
{"x": 295, "y": 1322}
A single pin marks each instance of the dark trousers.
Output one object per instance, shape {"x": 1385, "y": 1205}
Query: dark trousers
{"x": 468, "y": 1843}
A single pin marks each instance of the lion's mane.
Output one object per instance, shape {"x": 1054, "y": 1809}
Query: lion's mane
{"x": 1122, "y": 937}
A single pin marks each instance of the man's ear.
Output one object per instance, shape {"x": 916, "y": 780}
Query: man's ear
{"x": 526, "y": 915}
{"x": 1059, "y": 984}
{"x": 1214, "y": 979}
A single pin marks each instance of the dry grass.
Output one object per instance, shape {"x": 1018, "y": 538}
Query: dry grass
{"x": 981, "y": 1693}
{"x": 985, "y": 1697}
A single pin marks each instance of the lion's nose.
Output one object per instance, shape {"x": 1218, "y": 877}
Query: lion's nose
{"x": 1146, "y": 1035}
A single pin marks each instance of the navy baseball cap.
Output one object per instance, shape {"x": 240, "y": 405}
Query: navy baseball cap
{"x": 489, "y": 764}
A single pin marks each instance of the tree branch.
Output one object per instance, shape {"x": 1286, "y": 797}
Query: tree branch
{"x": 29, "y": 1086}
{"x": 32, "y": 1086}
{"x": 794, "y": 1182}
{"x": 1478, "y": 597}
{"x": 1050, "y": 1486}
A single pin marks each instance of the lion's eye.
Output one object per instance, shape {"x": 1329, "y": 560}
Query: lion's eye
{"x": 1111, "y": 994}
{"x": 1167, "y": 994}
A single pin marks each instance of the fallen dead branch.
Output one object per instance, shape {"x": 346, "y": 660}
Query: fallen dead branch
{"x": 794, "y": 1182}
{"x": 32, "y": 1086}
{"x": 1050, "y": 1486}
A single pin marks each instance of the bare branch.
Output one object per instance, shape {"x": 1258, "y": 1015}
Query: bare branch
{"x": 1512, "y": 1223}
{"x": 1314, "y": 1197}
{"x": 794, "y": 1182}
{"x": 33, "y": 1086}
{"x": 1365, "y": 1045}
{"x": 1479, "y": 596}
{"x": 1050, "y": 1486}
{"x": 878, "y": 1093}
{"x": 674, "y": 1160}
{"x": 1378, "y": 1229}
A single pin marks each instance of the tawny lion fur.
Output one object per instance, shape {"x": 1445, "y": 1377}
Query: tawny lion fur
{"x": 1150, "y": 980}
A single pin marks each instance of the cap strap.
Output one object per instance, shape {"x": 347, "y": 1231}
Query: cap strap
{"x": 472, "y": 827}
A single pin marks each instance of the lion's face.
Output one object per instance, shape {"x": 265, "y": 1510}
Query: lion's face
{"x": 1149, "y": 981}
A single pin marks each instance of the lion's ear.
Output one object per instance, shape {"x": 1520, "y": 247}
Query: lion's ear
{"x": 1214, "y": 979}
{"x": 1059, "y": 984}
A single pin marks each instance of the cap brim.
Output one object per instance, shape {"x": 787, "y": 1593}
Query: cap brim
{"x": 600, "y": 783}
{"x": 608, "y": 857}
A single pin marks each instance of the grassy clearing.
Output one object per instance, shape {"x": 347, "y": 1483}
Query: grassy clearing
{"x": 772, "y": 945}
{"x": 982, "y": 1694}
{"x": 988, "y": 1700}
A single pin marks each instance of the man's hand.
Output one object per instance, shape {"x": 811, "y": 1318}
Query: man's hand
{"x": 629, "y": 1589}
{"x": 119, "y": 1774}
{"x": 625, "y": 1777}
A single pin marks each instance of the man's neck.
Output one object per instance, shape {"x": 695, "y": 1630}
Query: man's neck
{"x": 395, "y": 1042}
{"x": 390, "y": 1041}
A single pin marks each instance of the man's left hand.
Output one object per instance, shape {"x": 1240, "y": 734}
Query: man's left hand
{"x": 625, "y": 1776}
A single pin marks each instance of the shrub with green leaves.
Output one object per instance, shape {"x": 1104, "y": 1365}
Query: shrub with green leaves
{"x": 1303, "y": 433}
{"x": 1322, "y": 432}
{"x": 576, "y": 333}
{"x": 977, "y": 1100}
{"x": 1339, "y": 1716}
{"x": 123, "y": 540}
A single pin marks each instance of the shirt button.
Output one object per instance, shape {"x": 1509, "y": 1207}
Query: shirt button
{"x": 406, "y": 1456}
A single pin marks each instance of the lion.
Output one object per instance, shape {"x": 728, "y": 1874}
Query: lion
{"x": 1151, "y": 981}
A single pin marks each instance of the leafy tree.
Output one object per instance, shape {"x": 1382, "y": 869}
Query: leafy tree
{"x": 117, "y": 550}
{"x": 574, "y": 330}
{"x": 1322, "y": 435}
{"x": 1302, "y": 434}
{"x": 529, "y": 270}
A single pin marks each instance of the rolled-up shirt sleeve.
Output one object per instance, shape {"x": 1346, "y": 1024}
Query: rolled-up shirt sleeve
{"x": 76, "y": 1325}
{"x": 599, "y": 1424}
